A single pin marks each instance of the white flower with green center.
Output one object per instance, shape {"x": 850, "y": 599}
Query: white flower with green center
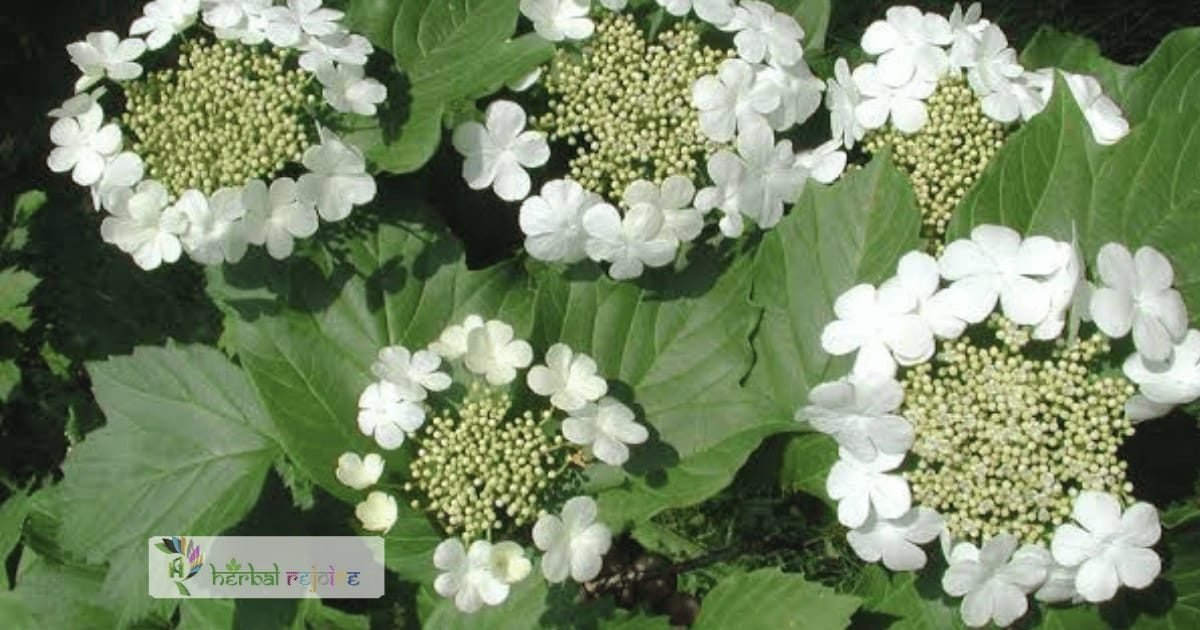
{"x": 508, "y": 562}
{"x": 1136, "y": 293}
{"x": 994, "y": 580}
{"x": 910, "y": 46}
{"x": 493, "y": 353}
{"x": 498, "y": 151}
{"x": 1111, "y": 547}
{"x": 385, "y": 414}
{"x": 897, "y": 541}
{"x": 163, "y": 19}
{"x": 553, "y": 221}
{"x": 83, "y": 145}
{"x": 359, "y": 472}
{"x": 143, "y": 225}
{"x": 866, "y": 487}
{"x": 276, "y": 217}
{"x": 467, "y": 575}
{"x": 574, "y": 543}
{"x": 212, "y": 236}
{"x": 569, "y": 379}
{"x": 556, "y": 20}
{"x": 105, "y": 54}
{"x": 414, "y": 374}
{"x": 378, "y": 512}
{"x": 859, "y": 413}
{"x": 607, "y": 427}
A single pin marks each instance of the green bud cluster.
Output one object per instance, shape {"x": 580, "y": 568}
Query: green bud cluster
{"x": 945, "y": 157}
{"x": 480, "y": 470}
{"x": 1008, "y": 431}
{"x": 227, "y": 114}
{"x": 626, "y": 104}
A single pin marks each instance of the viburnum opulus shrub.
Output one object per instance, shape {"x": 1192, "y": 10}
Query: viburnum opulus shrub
{"x": 951, "y": 376}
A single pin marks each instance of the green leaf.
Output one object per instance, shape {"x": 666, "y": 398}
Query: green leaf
{"x": 1040, "y": 181}
{"x": 374, "y": 19}
{"x": 185, "y": 451}
{"x": 904, "y": 601}
{"x": 834, "y": 238}
{"x": 65, "y": 596}
{"x": 10, "y": 377}
{"x": 12, "y": 521}
{"x": 526, "y": 603}
{"x": 807, "y": 459}
{"x": 405, "y": 149}
{"x": 769, "y": 599}
{"x": 813, "y": 16}
{"x": 26, "y": 205}
{"x": 1051, "y": 48}
{"x": 1167, "y": 83}
{"x": 15, "y": 287}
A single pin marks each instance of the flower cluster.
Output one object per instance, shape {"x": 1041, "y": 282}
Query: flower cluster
{"x": 207, "y": 136}
{"x": 660, "y": 132}
{"x": 974, "y": 412}
{"x": 494, "y": 457}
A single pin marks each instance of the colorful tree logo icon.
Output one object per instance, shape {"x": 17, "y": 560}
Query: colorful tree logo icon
{"x": 186, "y": 560}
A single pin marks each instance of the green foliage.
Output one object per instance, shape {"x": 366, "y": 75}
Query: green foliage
{"x": 1166, "y": 82}
{"x": 768, "y": 598}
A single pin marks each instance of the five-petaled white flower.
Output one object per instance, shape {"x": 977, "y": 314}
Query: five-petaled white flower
{"x": 452, "y": 343}
{"x": 357, "y": 471}
{"x": 903, "y": 104}
{"x": 728, "y": 101}
{"x": 498, "y": 151}
{"x": 674, "y": 200}
{"x": 290, "y": 25}
{"x": 1102, "y": 114}
{"x": 162, "y": 19}
{"x": 574, "y": 543}
{"x": 1135, "y": 292}
{"x": 104, "y": 54}
{"x": 214, "y": 233}
{"x": 552, "y": 221}
{"x": 631, "y": 243}
{"x": 414, "y": 374}
{"x": 467, "y": 575}
{"x": 996, "y": 264}
{"x": 994, "y": 579}
{"x": 842, "y": 99}
{"x": 83, "y": 145}
{"x": 121, "y": 173}
{"x": 276, "y": 216}
{"x": 858, "y": 411}
{"x": 910, "y": 44}
{"x": 917, "y": 273}
{"x": 556, "y": 20}
{"x": 378, "y": 512}
{"x": 568, "y": 378}
{"x": 860, "y": 486}
{"x": 896, "y": 541}
{"x": 385, "y": 414}
{"x": 1110, "y": 547}
{"x": 142, "y": 225}
{"x": 347, "y": 91}
{"x": 1173, "y": 382}
{"x": 716, "y": 12}
{"x": 337, "y": 179}
{"x": 765, "y": 34}
{"x": 494, "y": 354}
{"x": 607, "y": 427}
{"x": 882, "y": 325}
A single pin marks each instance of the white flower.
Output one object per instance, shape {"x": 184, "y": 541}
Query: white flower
{"x": 359, "y": 472}
{"x": 896, "y": 541}
{"x": 882, "y": 325}
{"x": 799, "y": 93}
{"x": 556, "y": 20}
{"x": 276, "y": 217}
{"x": 79, "y": 104}
{"x": 568, "y": 378}
{"x": 83, "y": 145}
{"x": 765, "y": 34}
{"x": 842, "y": 99}
{"x": 288, "y": 25}
{"x": 904, "y": 104}
{"x": 1059, "y": 585}
{"x": 214, "y": 233}
{"x": 1111, "y": 548}
{"x": 910, "y": 46}
{"x": 121, "y": 173}
{"x": 630, "y": 244}
{"x": 508, "y": 562}
{"x": 858, "y": 486}
{"x": 991, "y": 69}
{"x": 378, "y": 512}
{"x": 727, "y": 101}
{"x": 106, "y": 55}
{"x": 965, "y": 28}
{"x": 1135, "y": 293}
{"x": 385, "y": 414}
{"x": 342, "y": 47}
{"x": 727, "y": 172}
{"x": 232, "y": 14}
{"x": 674, "y": 200}
{"x": 994, "y": 579}
{"x": 414, "y": 374}
{"x": 917, "y": 273}
{"x": 825, "y": 163}
{"x": 607, "y": 426}
{"x": 614, "y": 5}
{"x": 1102, "y": 114}
{"x": 575, "y": 544}
{"x": 716, "y": 12}
{"x": 553, "y": 221}
{"x": 770, "y": 175}
{"x": 1069, "y": 294}
{"x": 347, "y": 91}
{"x": 995, "y": 264}
{"x": 859, "y": 413}
{"x": 162, "y": 19}
{"x": 452, "y": 343}
{"x": 1139, "y": 409}
{"x": 498, "y": 151}
{"x": 142, "y": 225}
{"x": 494, "y": 354}
{"x": 338, "y": 178}
{"x": 1173, "y": 382}
{"x": 467, "y": 575}
{"x": 1033, "y": 90}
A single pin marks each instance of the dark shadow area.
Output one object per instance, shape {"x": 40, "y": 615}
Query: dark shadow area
{"x": 1162, "y": 456}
